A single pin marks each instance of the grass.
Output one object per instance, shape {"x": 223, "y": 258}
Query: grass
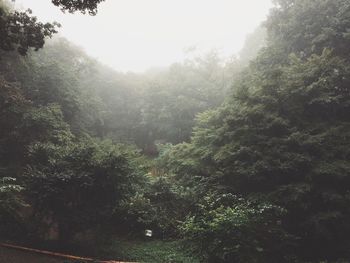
{"x": 155, "y": 251}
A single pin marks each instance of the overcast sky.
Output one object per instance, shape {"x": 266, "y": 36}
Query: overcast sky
{"x": 134, "y": 35}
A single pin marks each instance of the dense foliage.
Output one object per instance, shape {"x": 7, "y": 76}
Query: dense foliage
{"x": 229, "y": 229}
{"x": 21, "y": 31}
{"x": 159, "y": 106}
{"x": 78, "y": 186}
{"x": 283, "y": 137}
{"x": 255, "y": 173}
{"x": 84, "y": 6}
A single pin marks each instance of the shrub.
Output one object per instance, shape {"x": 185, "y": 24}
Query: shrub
{"x": 230, "y": 229}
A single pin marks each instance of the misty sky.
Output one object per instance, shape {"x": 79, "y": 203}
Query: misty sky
{"x": 134, "y": 35}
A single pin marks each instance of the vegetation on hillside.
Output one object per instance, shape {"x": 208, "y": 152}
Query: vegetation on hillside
{"x": 243, "y": 161}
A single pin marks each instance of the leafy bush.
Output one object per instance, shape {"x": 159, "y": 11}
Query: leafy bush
{"x": 10, "y": 202}
{"x": 77, "y": 186}
{"x": 160, "y": 207}
{"x": 230, "y": 229}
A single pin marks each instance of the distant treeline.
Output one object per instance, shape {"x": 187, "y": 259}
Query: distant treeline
{"x": 246, "y": 160}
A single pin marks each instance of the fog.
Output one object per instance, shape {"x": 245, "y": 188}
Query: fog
{"x": 135, "y": 35}
{"x": 184, "y": 131}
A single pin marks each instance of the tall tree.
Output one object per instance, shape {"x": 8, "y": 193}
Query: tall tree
{"x": 21, "y": 31}
{"x": 283, "y": 137}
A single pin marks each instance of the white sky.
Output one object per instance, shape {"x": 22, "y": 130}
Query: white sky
{"x": 134, "y": 35}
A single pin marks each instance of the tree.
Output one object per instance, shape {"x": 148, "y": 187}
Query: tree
{"x": 283, "y": 137}
{"x": 62, "y": 74}
{"x": 178, "y": 94}
{"x": 21, "y": 31}
{"x": 10, "y": 203}
{"x": 83, "y": 6}
{"x": 253, "y": 44}
{"x": 308, "y": 27}
{"x": 77, "y": 185}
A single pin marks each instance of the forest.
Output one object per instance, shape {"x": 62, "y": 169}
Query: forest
{"x": 245, "y": 160}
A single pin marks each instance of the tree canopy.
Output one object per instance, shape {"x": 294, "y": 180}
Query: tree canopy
{"x": 83, "y": 6}
{"x": 246, "y": 160}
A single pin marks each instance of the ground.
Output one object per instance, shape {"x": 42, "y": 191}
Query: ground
{"x": 15, "y": 256}
{"x": 155, "y": 251}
